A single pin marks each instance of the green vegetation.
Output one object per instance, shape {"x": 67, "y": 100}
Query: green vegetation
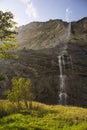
{"x": 42, "y": 117}
{"x": 8, "y": 29}
{"x": 20, "y": 91}
{"x": 7, "y": 47}
{"x": 5, "y": 51}
{"x": 7, "y": 26}
{"x": 2, "y": 76}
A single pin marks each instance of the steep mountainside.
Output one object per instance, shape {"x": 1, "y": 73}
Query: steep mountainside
{"x": 39, "y": 35}
{"x": 41, "y": 45}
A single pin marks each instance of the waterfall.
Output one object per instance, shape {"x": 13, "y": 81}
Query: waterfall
{"x": 62, "y": 93}
{"x": 64, "y": 60}
{"x": 68, "y": 31}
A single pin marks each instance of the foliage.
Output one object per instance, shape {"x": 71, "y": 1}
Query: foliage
{"x": 7, "y": 26}
{"x": 2, "y": 76}
{"x": 7, "y": 46}
{"x": 20, "y": 91}
{"x": 43, "y": 117}
{"x": 5, "y": 51}
{"x": 8, "y": 29}
{"x": 7, "y": 108}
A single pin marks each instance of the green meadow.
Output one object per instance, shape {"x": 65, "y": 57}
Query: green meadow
{"x": 41, "y": 117}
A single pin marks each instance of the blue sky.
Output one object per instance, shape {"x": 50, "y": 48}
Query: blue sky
{"x": 26, "y": 11}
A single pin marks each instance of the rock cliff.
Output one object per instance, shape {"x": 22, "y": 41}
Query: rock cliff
{"x": 41, "y": 44}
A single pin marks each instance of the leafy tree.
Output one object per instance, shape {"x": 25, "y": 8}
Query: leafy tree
{"x": 8, "y": 29}
{"x": 5, "y": 51}
{"x": 7, "y": 26}
{"x": 20, "y": 91}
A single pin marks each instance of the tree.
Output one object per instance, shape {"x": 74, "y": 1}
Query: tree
{"x": 20, "y": 91}
{"x": 7, "y": 26}
{"x": 8, "y": 30}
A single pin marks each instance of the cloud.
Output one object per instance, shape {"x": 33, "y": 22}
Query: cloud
{"x": 25, "y": 1}
{"x": 30, "y": 9}
{"x": 68, "y": 13}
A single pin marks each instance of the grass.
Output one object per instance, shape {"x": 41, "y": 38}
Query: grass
{"x": 42, "y": 117}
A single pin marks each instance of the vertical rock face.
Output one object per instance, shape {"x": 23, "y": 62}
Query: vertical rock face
{"x": 45, "y": 48}
{"x": 78, "y": 79}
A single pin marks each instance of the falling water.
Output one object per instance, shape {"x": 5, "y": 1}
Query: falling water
{"x": 63, "y": 59}
{"x": 68, "y": 31}
{"x": 62, "y": 93}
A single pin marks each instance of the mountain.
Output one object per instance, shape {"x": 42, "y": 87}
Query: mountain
{"x": 46, "y": 48}
{"x": 39, "y": 35}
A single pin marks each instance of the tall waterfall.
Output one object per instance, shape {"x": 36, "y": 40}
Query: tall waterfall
{"x": 64, "y": 59}
{"x": 68, "y": 31}
{"x": 62, "y": 93}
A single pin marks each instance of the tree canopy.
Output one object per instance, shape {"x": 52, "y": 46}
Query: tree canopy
{"x": 8, "y": 30}
{"x": 7, "y": 26}
{"x": 20, "y": 91}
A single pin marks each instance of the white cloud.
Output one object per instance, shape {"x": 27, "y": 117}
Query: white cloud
{"x": 68, "y": 13}
{"x": 30, "y": 9}
{"x": 25, "y": 1}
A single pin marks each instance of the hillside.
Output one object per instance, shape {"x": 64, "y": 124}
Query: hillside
{"x": 39, "y": 35}
{"x": 41, "y": 44}
{"x": 42, "y": 117}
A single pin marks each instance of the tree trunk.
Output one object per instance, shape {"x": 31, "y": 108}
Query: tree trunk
{"x": 18, "y": 105}
{"x": 26, "y": 103}
{"x": 30, "y": 105}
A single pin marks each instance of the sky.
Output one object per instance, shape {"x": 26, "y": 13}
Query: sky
{"x": 26, "y": 11}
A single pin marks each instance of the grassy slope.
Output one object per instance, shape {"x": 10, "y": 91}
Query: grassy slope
{"x": 43, "y": 117}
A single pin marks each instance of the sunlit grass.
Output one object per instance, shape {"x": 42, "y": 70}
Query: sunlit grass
{"x": 42, "y": 117}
